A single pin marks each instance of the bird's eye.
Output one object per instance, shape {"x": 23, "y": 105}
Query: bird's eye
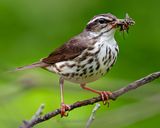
{"x": 102, "y": 21}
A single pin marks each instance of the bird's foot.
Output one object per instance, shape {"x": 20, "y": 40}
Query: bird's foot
{"x": 105, "y": 96}
{"x": 64, "y": 108}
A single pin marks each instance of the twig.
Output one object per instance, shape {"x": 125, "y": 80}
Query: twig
{"x": 36, "y": 115}
{"x": 92, "y": 116}
{"x": 93, "y": 100}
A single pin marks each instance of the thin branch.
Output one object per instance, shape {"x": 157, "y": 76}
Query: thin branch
{"x": 115, "y": 95}
{"x": 38, "y": 112}
{"x": 92, "y": 116}
{"x": 36, "y": 115}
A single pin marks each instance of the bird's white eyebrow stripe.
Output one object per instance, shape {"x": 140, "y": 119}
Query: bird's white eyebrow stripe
{"x": 98, "y": 17}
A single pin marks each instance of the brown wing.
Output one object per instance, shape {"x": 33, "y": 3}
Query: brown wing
{"x": 68, "y": 51}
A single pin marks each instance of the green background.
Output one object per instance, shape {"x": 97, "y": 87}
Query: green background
{"x": 31, "y": 29}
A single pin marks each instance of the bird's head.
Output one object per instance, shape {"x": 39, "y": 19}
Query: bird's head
{"x": 107, "y": 23}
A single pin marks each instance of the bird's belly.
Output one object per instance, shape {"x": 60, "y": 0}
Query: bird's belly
{"x": 91, "y": 72}
{"x": 86, "y": 69}
{"x": 83, "y": 75}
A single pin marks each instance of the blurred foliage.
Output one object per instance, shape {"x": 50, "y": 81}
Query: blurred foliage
{"x": 30, "y": 29}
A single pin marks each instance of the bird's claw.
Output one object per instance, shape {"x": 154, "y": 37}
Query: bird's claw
{"x": 105, "y": 97}
{"x": 64, "y": 108}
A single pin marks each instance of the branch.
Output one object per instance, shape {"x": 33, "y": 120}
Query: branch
{"x": 114, "y": 96}
{"x": 92, "y": 116}
{"x": 38, "y": 112}
{"x": 36, "y": 115}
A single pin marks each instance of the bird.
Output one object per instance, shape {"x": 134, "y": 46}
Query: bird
{"x": 87, "y": 56}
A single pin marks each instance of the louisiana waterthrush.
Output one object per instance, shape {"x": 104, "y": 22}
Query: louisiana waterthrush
{"x": 87, "y": 56}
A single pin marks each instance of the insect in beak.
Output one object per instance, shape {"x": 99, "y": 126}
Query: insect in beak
{"x": 125, "y": 23}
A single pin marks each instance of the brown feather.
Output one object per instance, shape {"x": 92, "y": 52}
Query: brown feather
{"x": 69, "y": 50}
{"x": 33, "y": 65}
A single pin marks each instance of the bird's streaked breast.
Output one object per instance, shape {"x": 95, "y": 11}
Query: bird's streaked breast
{"x": 93, "y": 63}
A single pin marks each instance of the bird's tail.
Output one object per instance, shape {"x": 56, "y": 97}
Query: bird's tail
{"x": 34, "y": 65}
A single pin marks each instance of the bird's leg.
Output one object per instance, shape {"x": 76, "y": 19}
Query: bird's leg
{"x": 64, "y": 107}
{"x": 104, "y": 94}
